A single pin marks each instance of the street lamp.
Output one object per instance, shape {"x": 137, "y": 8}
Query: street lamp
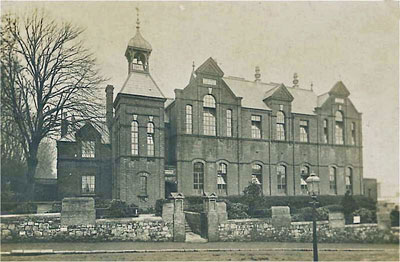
{"x": 313, "y": 189}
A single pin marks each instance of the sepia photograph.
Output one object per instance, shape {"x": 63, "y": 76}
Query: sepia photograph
{"x": 200, "y": 130}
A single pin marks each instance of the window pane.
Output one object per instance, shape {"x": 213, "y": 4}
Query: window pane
{"x": 198, "y": 177}
{"x": 326, "y": 131}
{"x": 189, "y": 115}
{"x": 135, "y": 138}
{"x": 229, "y": 122}
{"x": 209, "y": 101}
{"x": 256, "y": 126}
{"x": 332, "y": 180}
{"x": 256, "y": 176}
{"x": 88, "y": 184}
{"x": 281, "y": 179}
{"x": 209, "y": 122}
{"x": 143, "y": 185}
{"x": 88, "y": 149}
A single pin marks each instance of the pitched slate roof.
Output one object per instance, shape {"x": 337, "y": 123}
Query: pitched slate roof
{"x": 141, "y": 84}
{"x": 253, "y": 93}
{"x": 101, "y": 127}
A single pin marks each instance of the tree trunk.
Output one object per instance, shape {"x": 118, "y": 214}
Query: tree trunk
{"x": 30, "y": 178}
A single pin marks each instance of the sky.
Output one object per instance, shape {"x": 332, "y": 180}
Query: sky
{"x": 323, "y": 42}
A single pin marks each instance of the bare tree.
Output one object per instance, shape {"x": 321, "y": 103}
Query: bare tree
{"x": 46, "y": 73}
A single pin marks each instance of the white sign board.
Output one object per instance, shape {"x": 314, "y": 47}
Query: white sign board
{"x": 356, "y": 219}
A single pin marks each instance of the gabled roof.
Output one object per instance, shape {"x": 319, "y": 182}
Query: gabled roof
{"x": 100, "y": 127}
{"x": 141, "y": 84}
{"x": 210, "y": 67}
{"x": 339, "y": 89}
{"x": 322, "y": 98}
{"x": 250, "y": 91}
{"x": 304, "y": 102}
{"x": 280, "y": 93}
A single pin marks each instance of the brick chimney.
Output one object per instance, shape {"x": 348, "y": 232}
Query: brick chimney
{"x": 109, "y": 106}
{"x": 64, "y": 124}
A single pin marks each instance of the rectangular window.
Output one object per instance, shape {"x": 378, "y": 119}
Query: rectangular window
{"x": 88, "y": 149}
{"x": 189, "y": 119}
{"x": 198, "y": 177}
{"x": 88, "y": 184}
{"x": 326, "y": 131}
{"x": 332, "y": 180}
{"x": 303, "y": 131}
{"x": 134, "y": 138}
{"x": 281, "y": 179}
{"x": 143, "y": 185}
{"x": 150, "y": 145}
{"x": 353, "y": 133}
{"x": 256, "y": 127}
{"x": 229, "y": 122}
{"x": 209, "y": 123}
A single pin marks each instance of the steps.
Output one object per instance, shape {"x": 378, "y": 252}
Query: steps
{"x": 187, "y": 227}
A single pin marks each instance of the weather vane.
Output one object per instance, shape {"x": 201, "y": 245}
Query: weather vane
{"x": 137, "y": 20}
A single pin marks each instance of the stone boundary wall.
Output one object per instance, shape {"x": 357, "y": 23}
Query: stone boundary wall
{"x": 262, "y": 230}
{"x": 194, "y": 221}
{"x": 47, "y": 227}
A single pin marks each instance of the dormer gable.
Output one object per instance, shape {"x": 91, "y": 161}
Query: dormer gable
{"x": 280, "y": 93}
{"x": 210, "y": 67}
{"x": 339, "y": 89}
{"x": 88, "y": 132}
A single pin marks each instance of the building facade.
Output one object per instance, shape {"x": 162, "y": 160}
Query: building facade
{"x": 221, "y": 133}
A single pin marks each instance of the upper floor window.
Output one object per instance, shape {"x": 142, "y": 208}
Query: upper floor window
{"x": 209, "y": 112}
{"x": 150, "y": 139}
{"x": 135, "y": 138}
{"x": 198, "y": 177}
{"x": 256, "y": 174}
{"x": 353, "y": 133}
{"x": 326, "y": 136}
{"x": 255, "y": 126}
{"x": 349, "y": 179}
{"x": 88, "y": 149}
{"x": 280, "y": 126}
{"x": 222, "y": 182}
{"x": 88, "y": 184}
{"x": 229, "y": 122}
{"x": 281, "y": 177}
{"x": 189, "y": 119}
{"x": 339, "y": 137}
{"x": 304, "y": 131}
{"x": 305, "y": 172}
{"x": 143, "y": 184}
{"x": 332, "y": 180}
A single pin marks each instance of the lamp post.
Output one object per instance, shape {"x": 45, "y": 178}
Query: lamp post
{"x": 313, "y": 189}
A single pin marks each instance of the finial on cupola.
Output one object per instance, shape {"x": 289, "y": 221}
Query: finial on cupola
{"x": 137, "y": 18}
{"x": 312, "y": 85}
{"x": 295, "y": 80}
{"x": 257, "y": 74}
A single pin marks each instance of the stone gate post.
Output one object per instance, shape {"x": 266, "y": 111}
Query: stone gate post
{"x": 178, "y": 217}
{"x": 209, "y": 217}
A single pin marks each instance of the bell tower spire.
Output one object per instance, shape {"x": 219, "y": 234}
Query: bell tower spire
{"x": 138, "y": 51}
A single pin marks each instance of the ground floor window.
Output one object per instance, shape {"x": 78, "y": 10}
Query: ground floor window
{"x": 198, "y": 177}
{"x": 221, "y": 179}
{"x": 88, "y": 184}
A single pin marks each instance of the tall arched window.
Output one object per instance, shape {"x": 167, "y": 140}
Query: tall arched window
{"x": 326, "y": 134}
{"x": 256, "y": 174}
{"x": 135, "y": 138}
{"x": 150, "y": 139}
{"x": 353, "y": 133}
{"x": 305, "y": 172}
{"x": 281, "y": 178}
{"x": 280, "y": 126}
{"x": 229, "y": 122}
{"x": 209, "y": 113}
{"x": 198, "y": 177}
{"x": 332, "y": 181}
{"x": 349, "y": 179}
{"x": 222, "y": 182}
{"x": 143, "y": 184}
{"x": 339, "y": 137}
{"x": 189, "y": 119}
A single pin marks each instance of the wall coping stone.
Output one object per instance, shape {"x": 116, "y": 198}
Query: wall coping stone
{"x": 362, "y": 225}
{"x": 248, "y": 220}
{"x": 299, "y": 223}
{"x": 143, "y": 218}
{"x": 190, "y": 212}
{"x": 31, "y": 215}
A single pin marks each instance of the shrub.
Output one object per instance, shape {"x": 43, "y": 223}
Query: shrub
{"x": 159, "y": 205}
{"x": 102, "y": 203}
{"x": 394, "y": 217}
{"x": 119, "y": 209}
{"x": 236, "y": 210}
{"x": 349, "y": 206}
{"x": 306, "y": 213}
{"x": 24, "y": 208}
{"x": 55, "y": 208}
{"x": 334, "y": 208}
{"x": 366, "y": 216}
